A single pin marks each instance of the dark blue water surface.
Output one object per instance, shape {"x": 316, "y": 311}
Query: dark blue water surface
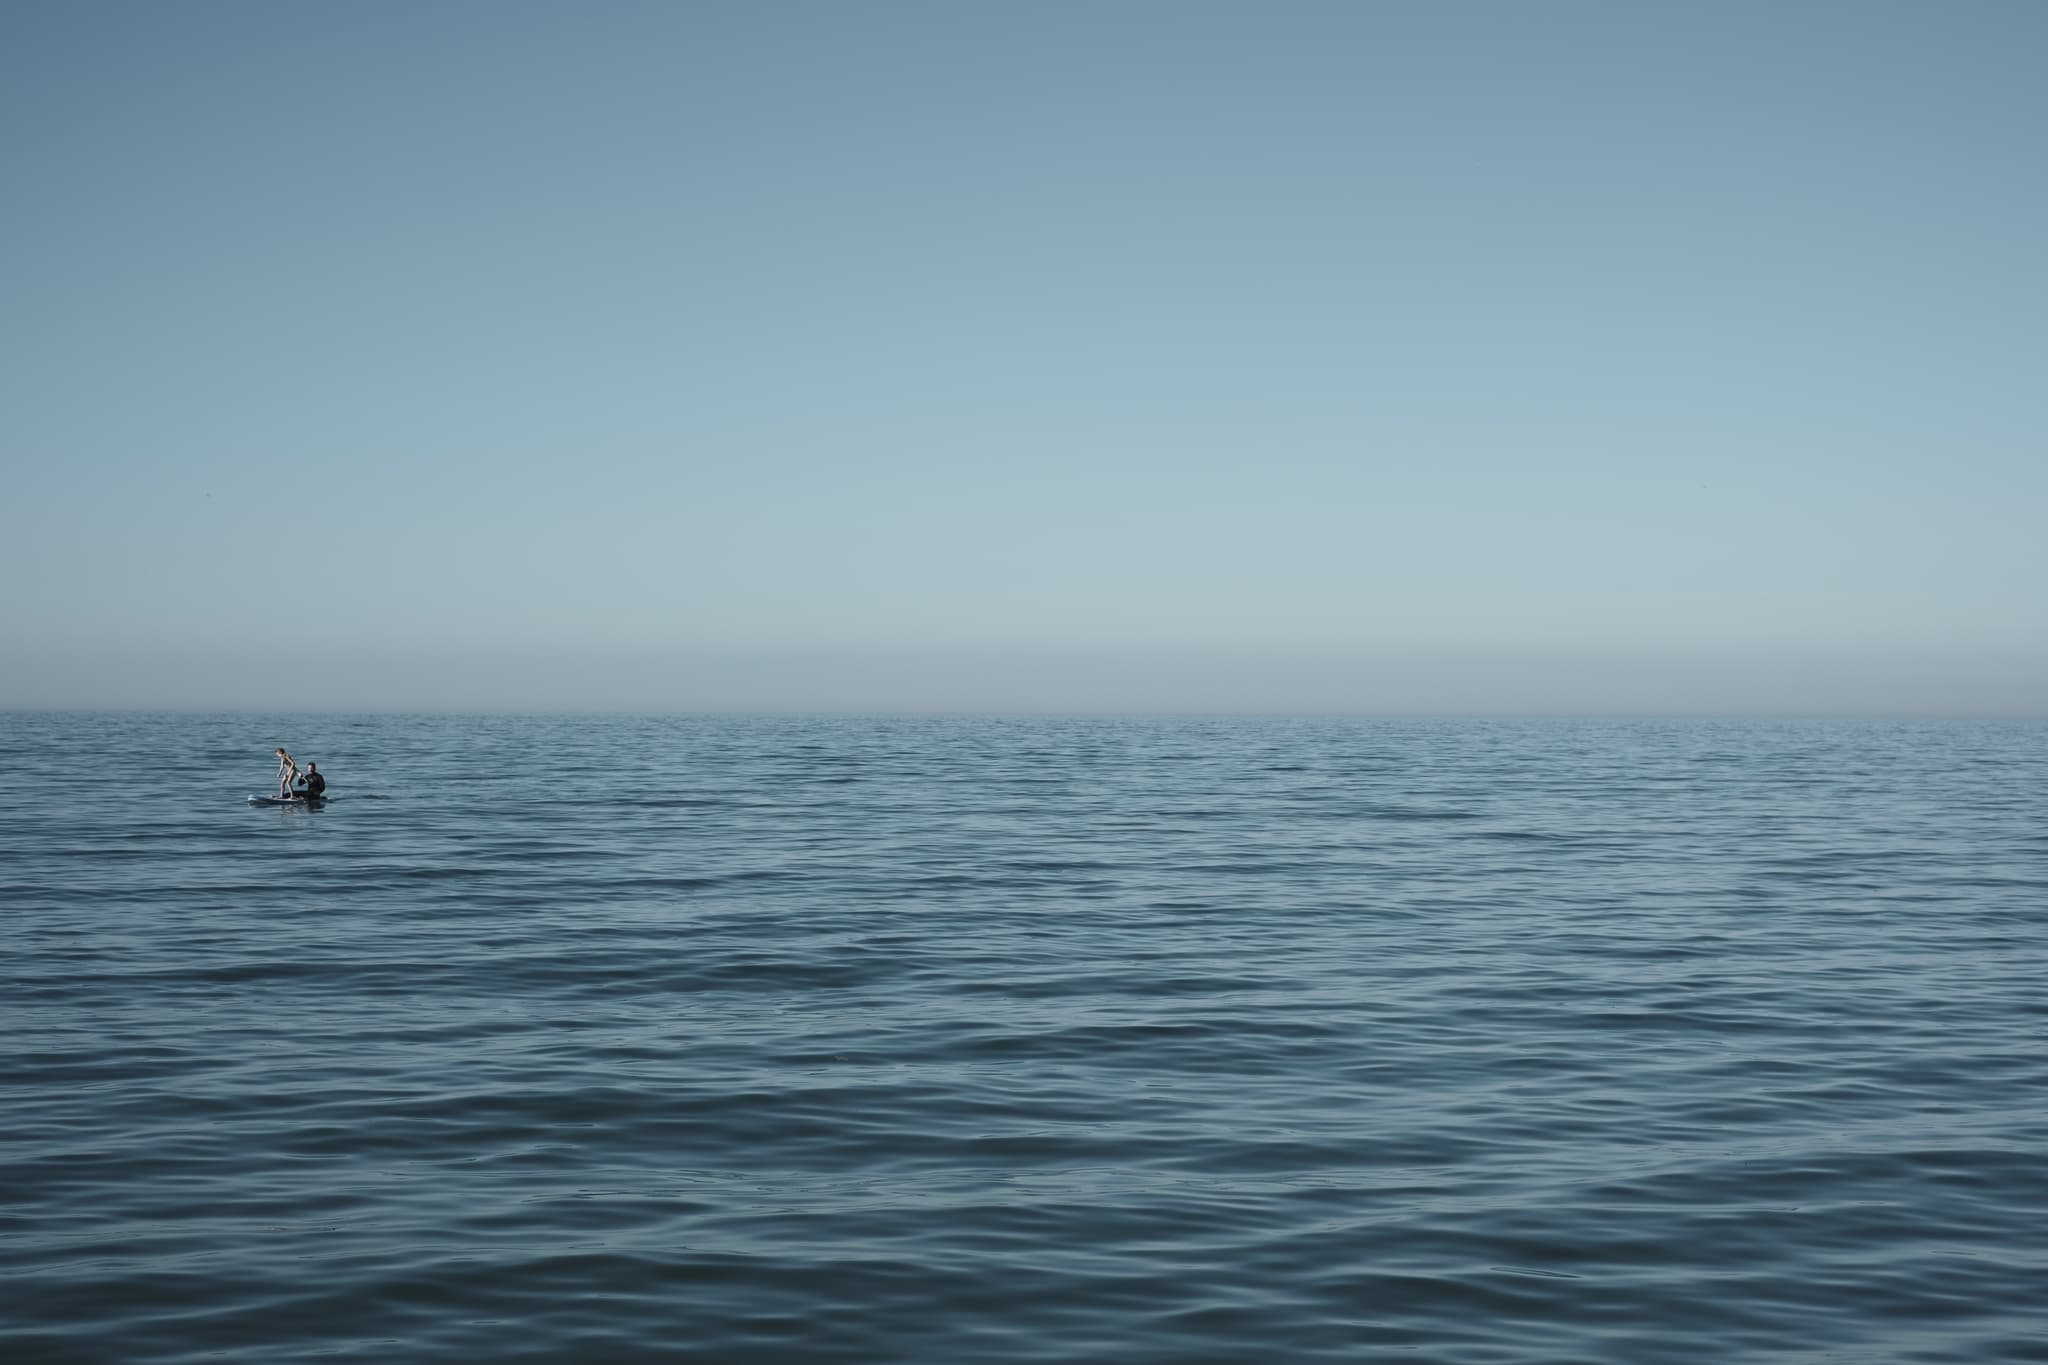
{"x": 767, "y": 1040}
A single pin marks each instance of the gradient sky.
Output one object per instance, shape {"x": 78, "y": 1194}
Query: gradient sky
{"x": 1178, "y": 355}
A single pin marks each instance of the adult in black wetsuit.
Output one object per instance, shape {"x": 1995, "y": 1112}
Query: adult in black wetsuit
{"x": 312, "y": 786}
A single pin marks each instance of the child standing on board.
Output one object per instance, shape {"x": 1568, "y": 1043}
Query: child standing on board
{"x": 286, "y": 771}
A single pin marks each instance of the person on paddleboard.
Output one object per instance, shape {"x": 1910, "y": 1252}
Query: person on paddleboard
{"x": 312, "y": 786}
{"x": 286, "y": 771}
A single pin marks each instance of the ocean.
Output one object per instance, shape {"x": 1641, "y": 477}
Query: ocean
{"x": 774, "y": 1039}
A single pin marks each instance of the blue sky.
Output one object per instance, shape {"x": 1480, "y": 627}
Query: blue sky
{"x": 1347, "y": 356}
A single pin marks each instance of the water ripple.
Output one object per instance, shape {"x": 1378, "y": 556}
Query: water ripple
{"x": 854, "y": 1040}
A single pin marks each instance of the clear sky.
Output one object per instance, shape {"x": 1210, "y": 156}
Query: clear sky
{"x": 1039, "y": 356}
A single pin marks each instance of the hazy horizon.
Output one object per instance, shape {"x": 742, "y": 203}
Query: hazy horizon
{"x": 1203, "y": 357}
{"x": 1076, "y": 683}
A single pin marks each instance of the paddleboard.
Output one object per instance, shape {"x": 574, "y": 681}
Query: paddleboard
{"x": 293, "y": 801}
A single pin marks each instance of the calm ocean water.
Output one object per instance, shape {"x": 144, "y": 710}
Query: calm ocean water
{"x": 793, "y": 1040}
